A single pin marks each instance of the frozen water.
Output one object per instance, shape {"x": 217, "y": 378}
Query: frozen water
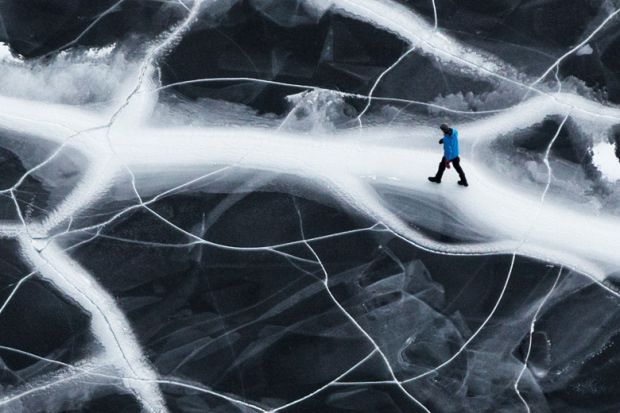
{"x": 214, "y": 205}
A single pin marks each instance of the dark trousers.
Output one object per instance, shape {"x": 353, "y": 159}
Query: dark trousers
{"x": 456, "y": 162}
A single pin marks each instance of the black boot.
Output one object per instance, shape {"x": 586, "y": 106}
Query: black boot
{"x": 433, "y": 179}
{"x": 461, "y": 182}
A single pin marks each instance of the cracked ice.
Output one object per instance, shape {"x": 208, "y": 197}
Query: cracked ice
{"x": 223, "y": 206}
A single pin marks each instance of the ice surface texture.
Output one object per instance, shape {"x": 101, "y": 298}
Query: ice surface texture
{"x": 222, "y": 206}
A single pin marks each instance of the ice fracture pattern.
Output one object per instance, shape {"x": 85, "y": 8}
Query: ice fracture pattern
{"x": 223, "y": 206}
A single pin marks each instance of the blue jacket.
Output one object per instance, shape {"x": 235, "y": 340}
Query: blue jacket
{"x": 451, "y": 145}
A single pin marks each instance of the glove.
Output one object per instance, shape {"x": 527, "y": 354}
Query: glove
{"x": 440, "y": 141}
{"x": 447, "y": 163}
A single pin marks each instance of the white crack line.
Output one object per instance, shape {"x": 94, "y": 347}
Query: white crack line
{"x": 89, "y": 372}
{"x": 320, "y": 389}
{"x": 531, "y": 334}
{"x": 574, "y": 49}
{"x": 14, "y": 291}
{"x": 356, "y": 324}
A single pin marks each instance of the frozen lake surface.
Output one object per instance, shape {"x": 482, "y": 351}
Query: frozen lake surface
{"x": 223, "y": 206}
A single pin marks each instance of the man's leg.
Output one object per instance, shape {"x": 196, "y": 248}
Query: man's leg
{"x": 440, "y": 170}
{"x": 457, "y": 165}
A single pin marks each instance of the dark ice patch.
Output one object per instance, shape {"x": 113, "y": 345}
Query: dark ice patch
{"x": 36, "y": 27}
{"x": 11, "y": 171}
{"x": 334, "y": 52}
{"x": 43, "y": 188}
{"x": 38, "y": 319}
{"x": 108, "y": 403}
{"x": 535, "y": 140}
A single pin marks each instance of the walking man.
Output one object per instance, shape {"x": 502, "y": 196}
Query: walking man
{"x": 450, "y": 142}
